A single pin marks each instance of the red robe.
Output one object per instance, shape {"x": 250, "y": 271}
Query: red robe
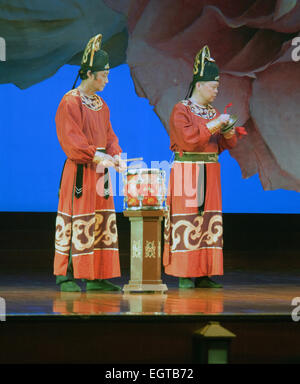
{"x": 193, "y": 242}
{"x": 85, "y": 226}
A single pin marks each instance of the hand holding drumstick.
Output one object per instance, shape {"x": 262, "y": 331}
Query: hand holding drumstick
{"x": 117, "y": 162}
{"x": 120, "y": 164}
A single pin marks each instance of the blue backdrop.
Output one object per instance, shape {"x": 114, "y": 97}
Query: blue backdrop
{"x": 32, "y": 160}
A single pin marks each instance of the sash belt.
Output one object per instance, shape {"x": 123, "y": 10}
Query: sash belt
{"x": 197, "y": 156}
{"x": 79, "y": 179}
{"x": 106, "y": 177}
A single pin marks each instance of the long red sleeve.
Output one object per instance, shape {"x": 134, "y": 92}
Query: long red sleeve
{"x": 112, "y": 147}
{"x": 69, "y": 131}
{"x": 186, "y": 133}
{"x": 226, "y": 143}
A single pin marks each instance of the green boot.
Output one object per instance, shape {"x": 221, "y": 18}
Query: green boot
{"x": 69, "y": 286}
{"x": 206, "y": 282}
{"x": 186, "y": 283}
{"x": 101, "y": 285}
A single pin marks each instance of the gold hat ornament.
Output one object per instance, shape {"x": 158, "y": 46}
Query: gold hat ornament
{"x": 94, "y": 58}
{"x": 93, "y": 46}
{"x": 205, "y": 67}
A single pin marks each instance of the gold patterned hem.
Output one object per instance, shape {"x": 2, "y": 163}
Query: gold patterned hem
{"x": 193, "y": 232}
{"x": 86, "y": 232}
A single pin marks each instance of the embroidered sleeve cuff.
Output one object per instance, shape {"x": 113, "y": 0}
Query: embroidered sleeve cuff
{"x": 230, "y": 134}
{"x": 214, "y": 125}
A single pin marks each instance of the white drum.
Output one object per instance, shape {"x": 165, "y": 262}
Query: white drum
{"x": 144, "y": 188}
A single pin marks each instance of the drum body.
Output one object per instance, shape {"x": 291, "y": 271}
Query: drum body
{"x": 144, "y": 188}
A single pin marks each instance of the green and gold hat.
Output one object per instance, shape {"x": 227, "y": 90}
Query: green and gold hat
{"x": 205, "y": 67}
{"x": 94, "y": 58}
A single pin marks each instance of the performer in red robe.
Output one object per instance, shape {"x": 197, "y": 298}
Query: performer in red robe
{"x": 86, "y": 242}
{"x": 198, "y": 134}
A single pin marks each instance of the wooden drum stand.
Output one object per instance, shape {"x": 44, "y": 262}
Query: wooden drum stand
{"x": 145, "y": 251}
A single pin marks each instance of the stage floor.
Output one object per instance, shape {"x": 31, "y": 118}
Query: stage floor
{"x": 245, "y": 294}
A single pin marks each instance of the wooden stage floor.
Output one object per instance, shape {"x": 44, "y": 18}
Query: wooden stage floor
{"x": 243, "y": 294}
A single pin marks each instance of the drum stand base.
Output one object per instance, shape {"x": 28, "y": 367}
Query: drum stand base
{"x": 142, "y": 287}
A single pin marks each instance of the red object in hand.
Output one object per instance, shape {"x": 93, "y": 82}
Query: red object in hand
{"x": 241, "y": 131}
{"x": 227, "y": 106}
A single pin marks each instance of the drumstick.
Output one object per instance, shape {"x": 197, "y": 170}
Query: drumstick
{"x": 136, "y": 159}
{"x": 126, "y": 160}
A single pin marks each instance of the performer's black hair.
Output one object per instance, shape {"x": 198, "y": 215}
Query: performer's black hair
{"x": 74, "y": 85}
{"x": 190, "y": 91}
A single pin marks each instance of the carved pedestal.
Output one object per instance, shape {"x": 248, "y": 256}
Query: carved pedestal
{"x": 145, "y": 251}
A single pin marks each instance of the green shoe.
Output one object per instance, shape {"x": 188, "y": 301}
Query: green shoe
{"x": 101, "y": 285}
{"x": 186, "y": 283}
{"x": 206, "y": 282}
{"x": 69, "y": 286}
